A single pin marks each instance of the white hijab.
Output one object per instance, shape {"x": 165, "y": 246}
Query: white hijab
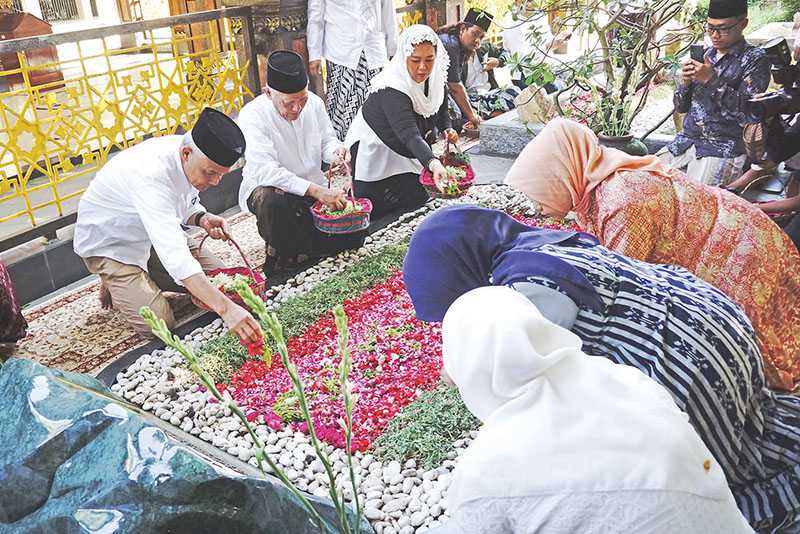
{"x": 556, "y": 420}
{"x": 395, "y": 74}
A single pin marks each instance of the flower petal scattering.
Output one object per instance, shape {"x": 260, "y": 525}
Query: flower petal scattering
{"x": 395, "y": 357}
{"x": 550, "y": 223}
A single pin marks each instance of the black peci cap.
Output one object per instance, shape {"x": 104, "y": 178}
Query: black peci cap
{"x": 479, "y": 17}
{"x": 286, "y": 72}
{"x": 218, "y": 137}
{"x": 726, "y": 9}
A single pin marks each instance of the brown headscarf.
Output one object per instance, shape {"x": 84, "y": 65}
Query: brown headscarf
{"x": 563, "y": 164}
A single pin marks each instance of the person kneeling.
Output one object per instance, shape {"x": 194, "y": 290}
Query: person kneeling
{"x": 129, "y": 228}
{"x": 387, "y": 139}
{"x": 570, "y": 442}
{"x": 288, "y": 136}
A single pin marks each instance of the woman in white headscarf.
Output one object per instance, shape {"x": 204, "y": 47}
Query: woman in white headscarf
{"x": 571, "y": 443}
{"x": 390, "y": 137}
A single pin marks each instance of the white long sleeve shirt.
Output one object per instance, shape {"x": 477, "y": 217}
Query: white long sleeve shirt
{"x": 283, "y": 154}
{"x": 138, "y": 199}
{"x": 339, "y": 30}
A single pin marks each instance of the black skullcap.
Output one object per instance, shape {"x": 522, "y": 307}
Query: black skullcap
{"x": 480, "y": 18}
{"x": 726, "y": 9}
{"x": 218, "y": 137}
{"x": 286, "y": 72}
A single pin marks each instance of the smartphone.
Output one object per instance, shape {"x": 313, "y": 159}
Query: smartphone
{"x": 697, "y": 52}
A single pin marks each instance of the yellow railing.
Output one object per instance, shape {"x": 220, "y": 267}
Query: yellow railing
{"x": 116, "y": 91}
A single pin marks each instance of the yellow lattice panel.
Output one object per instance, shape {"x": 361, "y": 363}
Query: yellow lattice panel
{"x": 55, "y": 136}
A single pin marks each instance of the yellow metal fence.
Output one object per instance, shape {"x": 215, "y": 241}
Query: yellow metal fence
{"x": 116, "y": 91}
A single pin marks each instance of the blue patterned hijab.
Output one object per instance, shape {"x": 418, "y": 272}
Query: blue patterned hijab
{"x": 460, "y": 248}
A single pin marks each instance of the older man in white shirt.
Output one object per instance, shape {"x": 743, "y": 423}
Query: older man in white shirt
{"x": 355, "y": 38}
{"x": 288, "y": 137}
{"x": 130, "y": 223}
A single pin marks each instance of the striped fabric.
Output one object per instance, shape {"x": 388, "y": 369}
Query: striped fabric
{"x": 697, "y": 343}
{"x": 347, "y": 91}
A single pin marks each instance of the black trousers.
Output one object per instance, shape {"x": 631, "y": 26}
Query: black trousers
{"x": 286, "y": 224}
{"x": 401, "y": 192}
{"x": 793, "y": 230}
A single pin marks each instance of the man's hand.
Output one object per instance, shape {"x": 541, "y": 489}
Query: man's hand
{"x": 215, "y": 226}
{"x": 475, "y": 120}
{"x": 439, "y": 174}
{"x": 335, "y": 200}
{"x": 238, "y": 321}
{"x": 491, "y": 64}
{"x": 241, "y": 323}
{"x": 315, "y": 67}
{"x": 560, "y": 38}
{"x": 694, "y": 71}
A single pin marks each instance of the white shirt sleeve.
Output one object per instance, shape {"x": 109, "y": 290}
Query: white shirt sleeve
{"x": 262, "y": 166}
{"x": 315, "y": 31}
{"x": 553, "y": 305}
{"x": 330, "y": 143}
{"x": 196, "y": 208}
{"x": 156, "y": 208}
{"x": 389, "y": 26}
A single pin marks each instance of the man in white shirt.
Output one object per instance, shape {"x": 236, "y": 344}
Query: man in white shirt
{"x": 355, "y": 38}
{"x": 129, "y": 229}
{"x": 288, "y": 137}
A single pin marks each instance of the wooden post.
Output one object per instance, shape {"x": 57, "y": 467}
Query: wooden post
{"x": 249, "y": 41}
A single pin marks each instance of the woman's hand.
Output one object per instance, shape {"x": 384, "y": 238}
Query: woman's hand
{"x": 451, "y": 135}
{"x": 343, "y": 160}
{"x": 439, "y": 174}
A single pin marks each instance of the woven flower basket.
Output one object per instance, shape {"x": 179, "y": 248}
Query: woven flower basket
{"x": 258, "y": 284}
{"x": 450, "y": 158}
{"x": 426, "y": 179}
{"x": 343, "y": 224}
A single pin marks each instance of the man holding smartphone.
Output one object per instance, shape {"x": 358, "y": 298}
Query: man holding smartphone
{"x": 713, "y": 92}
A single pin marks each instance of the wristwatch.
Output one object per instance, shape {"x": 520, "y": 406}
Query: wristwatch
{"x": 198, "y": 216}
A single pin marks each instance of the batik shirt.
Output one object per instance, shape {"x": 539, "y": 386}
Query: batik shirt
{"x": 717, "y": 109}
{"x": 453, "y": 46}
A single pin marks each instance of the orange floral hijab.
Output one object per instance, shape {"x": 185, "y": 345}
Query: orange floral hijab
{"x": 563, "y": 164}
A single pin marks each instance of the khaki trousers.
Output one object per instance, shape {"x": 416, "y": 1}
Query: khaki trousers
{"x": 131, "y": 287}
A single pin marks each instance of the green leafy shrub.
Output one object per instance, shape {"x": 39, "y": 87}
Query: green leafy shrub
{"x": 426, "y": 428}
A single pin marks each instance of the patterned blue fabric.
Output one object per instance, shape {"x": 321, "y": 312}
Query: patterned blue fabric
{"x": 716, "y": 117}
{"x": 452, "y": 44}
{"x": 698, "y": 344}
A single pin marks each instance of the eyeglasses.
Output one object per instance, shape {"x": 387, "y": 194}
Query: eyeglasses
{"x": 721, "y": 30}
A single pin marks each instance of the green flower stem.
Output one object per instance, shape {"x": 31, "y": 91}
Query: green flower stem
{"x": 274, "y": 329}
{"x": 159, "y": 328}
{"x": 345, "y": 386}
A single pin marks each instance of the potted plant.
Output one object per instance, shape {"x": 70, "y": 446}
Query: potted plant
{"x": 623, "y": 52}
